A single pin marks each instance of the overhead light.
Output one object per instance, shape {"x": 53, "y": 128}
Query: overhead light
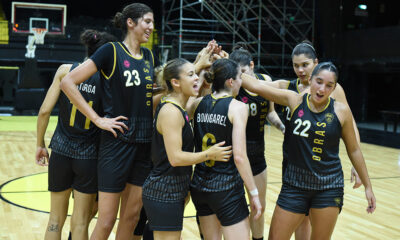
{"x": 361, "y": 10}
{"x": 362, "y": 6}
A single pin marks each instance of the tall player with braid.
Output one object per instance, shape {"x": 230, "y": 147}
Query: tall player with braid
{"x": 124, "y": 152}
{"x": 313, "y": 180}
{"x": 73, "y": 160}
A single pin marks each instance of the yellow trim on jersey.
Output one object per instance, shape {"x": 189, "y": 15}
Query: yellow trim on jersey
{"x": 326, "y": 106}
{"x": 176, "y": 104}
{"x": 127, "y": 52}
{"x": 258, "y": 77}
{"x": 115, "y": 62}
{"x": 250, "y": 93}
{"x": 297, "y": 85}
{"x": 291, "y": 112}
{"x": 265, "y": 76}
{"x": 220, "y": 97}
{"x": 152, "y": 56}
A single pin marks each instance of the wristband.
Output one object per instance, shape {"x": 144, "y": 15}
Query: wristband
{"x": 254, "y": 192}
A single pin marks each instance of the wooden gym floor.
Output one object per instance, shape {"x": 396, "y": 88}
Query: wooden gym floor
{"x": 25, "y": 200}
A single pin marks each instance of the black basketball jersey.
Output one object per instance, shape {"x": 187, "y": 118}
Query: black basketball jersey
{"x": 75, "y": 135}
{"x": 293, "y": 86}
{"x": 211, "y": 126}
{"x": 165, "y": 182}
{"x": 128, "y": 92}
{"x": 313, "y": 159}
{"x": 258, "y": 110}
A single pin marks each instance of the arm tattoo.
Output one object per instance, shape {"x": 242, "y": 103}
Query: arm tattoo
{"x": 53, "y": 228}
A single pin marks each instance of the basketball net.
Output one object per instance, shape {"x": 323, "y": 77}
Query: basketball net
{"x": 37, "y": 38}
{"x": 39, "y": 34}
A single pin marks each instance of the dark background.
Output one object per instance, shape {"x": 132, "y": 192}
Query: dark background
{"x": 365, "y": 48}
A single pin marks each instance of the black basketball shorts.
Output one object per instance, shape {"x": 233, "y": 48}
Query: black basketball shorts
{"x": 298, "y": 200}
{"x": 229, "y": 206}
{"x": 122, "y": 162}
{"x": 164, "y": 216}
{"x": 66, "y": 172}
{"x": 256, "y": 155}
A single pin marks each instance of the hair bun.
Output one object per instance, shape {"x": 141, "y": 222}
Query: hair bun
{"x": 118, "y": 20}
{"x": 240, "y": 46}
{"x": 209, "y": 77}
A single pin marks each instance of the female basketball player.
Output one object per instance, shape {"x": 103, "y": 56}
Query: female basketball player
{"x": 167, "y": 186}
{"x": 304, "y": 60}
{"x": 203, "y": 60}
{"x": 313, "y": 179}
{"x": 124, "y": 152}
{"x": 217, "y": 187}
{"x": 73, "y": 161}
{"x": 260, "y": 110}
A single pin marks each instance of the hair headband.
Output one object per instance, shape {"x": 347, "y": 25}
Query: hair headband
{"x": 309, "y": 46}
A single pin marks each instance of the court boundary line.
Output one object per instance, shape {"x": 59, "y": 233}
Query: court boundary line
{"x": 17, "y": 205}
{"x": 35, "y": 210}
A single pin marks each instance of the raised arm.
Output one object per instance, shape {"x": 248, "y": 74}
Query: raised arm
{"x": 272, "y": 116}
{"x": 203, "y": 58}
{"x": 281, "y": 84}
{"x": 238, "y": 114}
{"x": 68, "y": 85}
{"x": 42, "y": 156}
{"x": 274, "y": 119}
{"x": 354, "y": 152}
{"x": 281, "y": 96}
{"x": 169, "y": 124}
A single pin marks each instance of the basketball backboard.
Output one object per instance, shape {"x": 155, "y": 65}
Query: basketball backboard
{"x": 28, "y": 15}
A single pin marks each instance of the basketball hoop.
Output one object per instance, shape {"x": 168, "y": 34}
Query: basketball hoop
{"x": 37, "y": 38}
{"x": 38, "y": 34}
